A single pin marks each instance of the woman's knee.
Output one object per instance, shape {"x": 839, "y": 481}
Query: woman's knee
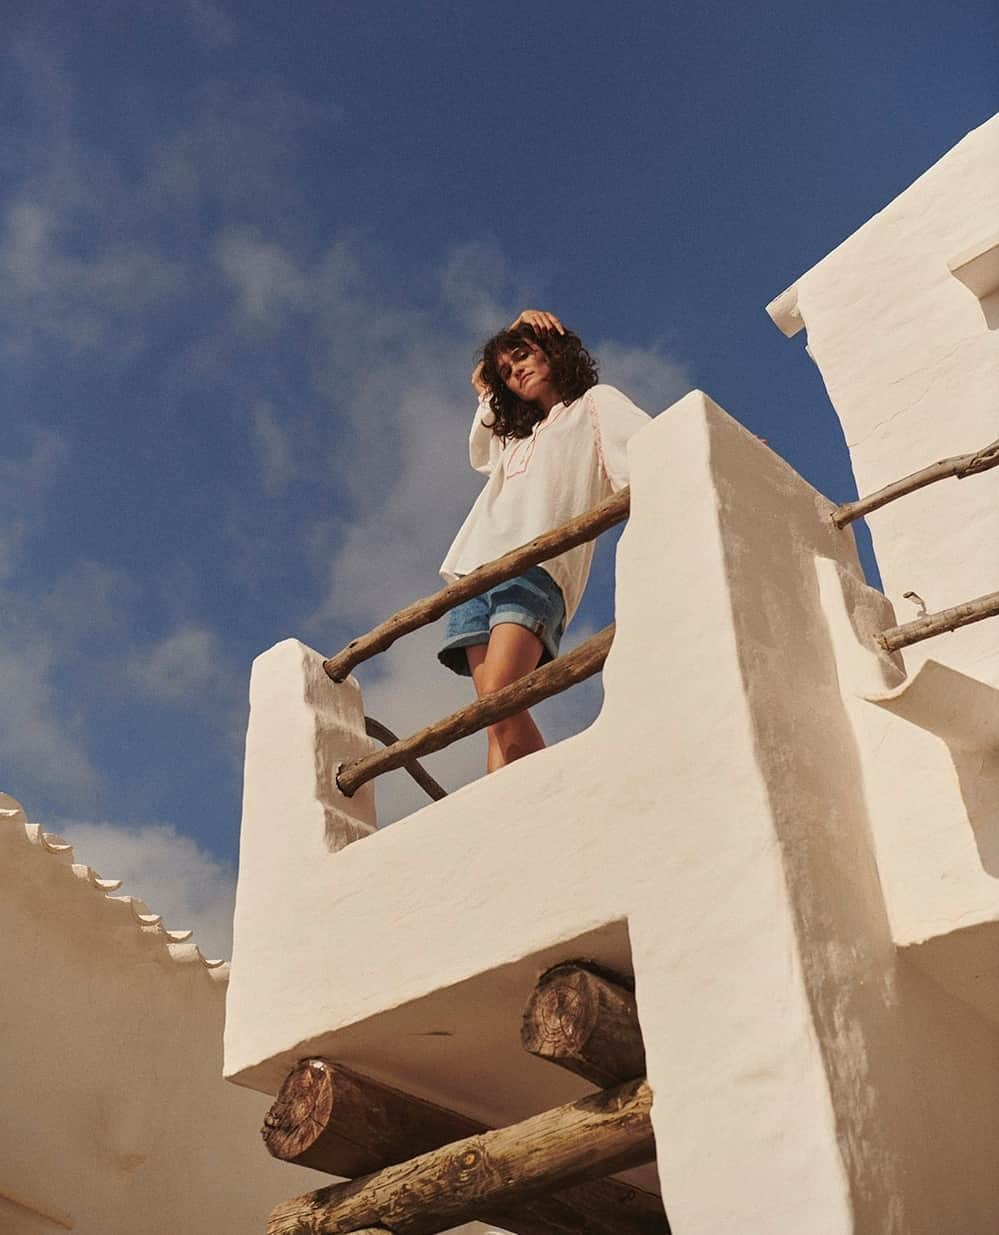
{"x": 491, "y": 678}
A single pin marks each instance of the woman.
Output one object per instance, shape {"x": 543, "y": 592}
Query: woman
{"x": 552, "y": 441}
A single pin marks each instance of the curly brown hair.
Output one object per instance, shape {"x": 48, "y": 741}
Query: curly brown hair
{"x": 573, "y": 370}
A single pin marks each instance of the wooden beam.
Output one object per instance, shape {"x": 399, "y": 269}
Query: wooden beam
{"x": 382, "y": 733}
{"x": 897, "y": 637}
{"x": 958, "y": 466}
{"x": 598, "y": 1135}
{"x": 584, "y": 527}
{"x": 557, "y": 675}
{"x": 587, "y": 1209}
{"x": 586, "y": 1023}
{"x": 333, "y": 1119}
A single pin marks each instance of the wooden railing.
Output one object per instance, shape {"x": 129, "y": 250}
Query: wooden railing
{"x": 551, "y": 679}
{"x": 928, "y": 624}
{"x": 422, "y": 612}
{"x": 958, "y": 466}
{"x": 589, "y": 657}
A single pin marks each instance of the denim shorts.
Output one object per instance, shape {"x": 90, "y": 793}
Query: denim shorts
{"x": 532, "y": 599}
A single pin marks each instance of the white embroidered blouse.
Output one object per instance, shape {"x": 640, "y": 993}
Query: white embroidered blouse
{"x": 573, "y": 459}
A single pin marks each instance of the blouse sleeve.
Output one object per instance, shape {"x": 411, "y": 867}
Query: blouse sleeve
{"x": 484, "y": 447}
{"x": 615, "y": 420}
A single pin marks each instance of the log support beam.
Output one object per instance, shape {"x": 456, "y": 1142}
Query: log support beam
{"x": 333, "y": 1119}
{"x": 496, "y": 1176}
{"x": 586, "y": 1022}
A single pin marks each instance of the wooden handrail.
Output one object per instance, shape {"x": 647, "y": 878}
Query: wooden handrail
{"x": 958, "y": 466}
{"x": 556, "y": 676}
{"x": 897, "y": 637}
{"x": 422, "y": 612}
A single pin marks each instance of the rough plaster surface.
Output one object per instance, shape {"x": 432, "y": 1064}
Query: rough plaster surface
{"x": 928, "y": 749}
{"x": 115, "y": 1115}
{"x": 903, "y": 323}
{"x": 806, "y": 1077}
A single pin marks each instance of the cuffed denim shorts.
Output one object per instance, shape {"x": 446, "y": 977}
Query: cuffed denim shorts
{"x": 532, "y": 599}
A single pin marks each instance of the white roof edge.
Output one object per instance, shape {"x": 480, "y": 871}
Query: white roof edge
{"x": 175, "y": 943}
{"x": 783, "y": 311}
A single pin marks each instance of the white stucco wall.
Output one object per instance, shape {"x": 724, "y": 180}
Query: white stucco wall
{"x": 711, "y": 831}
{"x": 115, "y": 1115}
{"x": 903, "y": 322}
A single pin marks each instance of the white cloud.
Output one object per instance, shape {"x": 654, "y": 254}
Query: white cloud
{"x": 266, "y": 278}
{"x": 87, "y": 601}
{"x": 183, "y": 667}
{"x": 241, "y": 155}
{"x": 40, "y": 736}
{"x": 212, "y": 25}
{"x": 24, "y": 481}
{"x": 11, "y": 539}
{"x": 89, "y": 249}
{"x": 170, "y": 872}
{"x": 39, "y": 741}
{"x": 478, "y": 283}
{"x": 274, "y": 452}
{"x": 85, "y": 303}
{"x": 649, "y": 376}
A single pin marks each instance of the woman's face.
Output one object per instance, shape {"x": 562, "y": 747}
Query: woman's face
{"x": 527, "y": 372}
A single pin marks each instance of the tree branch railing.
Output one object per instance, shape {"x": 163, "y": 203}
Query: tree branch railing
{"x": 958, "y": 466}
{"x": 584, "y": 527}
{"x": 550, "y": 679}
{"x": 897, "y": 637}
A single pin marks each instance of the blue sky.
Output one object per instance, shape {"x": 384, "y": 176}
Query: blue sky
{"x": 246, "y": 254}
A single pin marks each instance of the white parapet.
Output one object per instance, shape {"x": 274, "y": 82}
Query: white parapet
{"x": 711, "y": 833}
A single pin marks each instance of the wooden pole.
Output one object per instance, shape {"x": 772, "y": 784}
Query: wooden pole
{"x": 558, "y": 675}
{"x": 422, "y": 612}
{"x": 959, "y": 466}
{"x": 598, "y": 1135}
{"x": 586, "y": 1023}
{"x": 897, "y": 637}
{"x": 333, "y": 1119}
{"x": 382, "y": 733}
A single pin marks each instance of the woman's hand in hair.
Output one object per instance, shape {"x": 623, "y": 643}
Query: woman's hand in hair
{"x": 539, "y": 319}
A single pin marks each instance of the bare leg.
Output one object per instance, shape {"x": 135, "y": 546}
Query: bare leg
{"x": 511, "y": 652}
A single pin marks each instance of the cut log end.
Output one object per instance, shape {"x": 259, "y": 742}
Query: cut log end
{"x": 301, "y": 1111}
{"x": 586, "y": 1023}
